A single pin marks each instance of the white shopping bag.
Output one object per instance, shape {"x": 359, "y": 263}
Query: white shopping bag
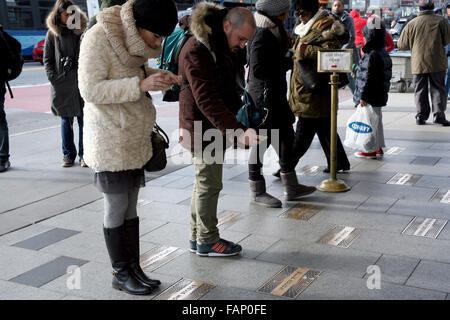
{"x": 361, "y": 130}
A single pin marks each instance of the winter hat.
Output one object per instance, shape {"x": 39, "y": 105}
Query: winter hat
{"x": 273, "y": 8}
{"x": 308, "y": 5}
{"x": 158, "y": 16}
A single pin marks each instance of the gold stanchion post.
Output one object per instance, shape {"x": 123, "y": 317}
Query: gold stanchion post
{"x": 333, "y": 184}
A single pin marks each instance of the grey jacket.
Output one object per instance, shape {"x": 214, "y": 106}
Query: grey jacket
{"x": 61, "y": 42}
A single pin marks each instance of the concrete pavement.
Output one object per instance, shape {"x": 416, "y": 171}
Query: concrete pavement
{"x": 52, "y": 246}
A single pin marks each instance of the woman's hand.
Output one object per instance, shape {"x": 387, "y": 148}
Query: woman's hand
{"x": 161, "y": 80}
{"x": 363, "y": 103}
{"x": 301, "y": 48}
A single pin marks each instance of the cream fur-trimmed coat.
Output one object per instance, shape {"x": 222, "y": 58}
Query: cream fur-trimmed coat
{"x": 118, "y": 117}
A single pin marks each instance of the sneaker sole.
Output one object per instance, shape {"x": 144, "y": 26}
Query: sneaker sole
{"x": 363, "y": 157}
{"x": 215, "y": 254}
{"x": 192, "y": 250}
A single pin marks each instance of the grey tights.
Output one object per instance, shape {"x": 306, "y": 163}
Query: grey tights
{"x": 120, "y": 207}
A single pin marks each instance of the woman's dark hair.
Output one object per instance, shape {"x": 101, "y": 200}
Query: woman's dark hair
{"x": 307, "y": 5}
{"x": 285, "y": 38}
{"x": 60, "y": 7}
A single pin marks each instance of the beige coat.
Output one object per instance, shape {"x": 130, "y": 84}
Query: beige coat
{"x": 426, "y": 36}
{"x": 118, "y": 117}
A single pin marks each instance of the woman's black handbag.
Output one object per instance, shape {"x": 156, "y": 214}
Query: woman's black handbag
{"x": 317, "y": 82}
{"x": 313, "y": 81}
{"x": 160, "y": 142}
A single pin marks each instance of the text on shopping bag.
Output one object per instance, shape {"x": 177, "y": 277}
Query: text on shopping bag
{"x": 360, "y": 127}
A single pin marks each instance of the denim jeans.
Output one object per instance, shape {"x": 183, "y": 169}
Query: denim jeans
{"x": 68, "y": 145}
{"x": 447, "y": 77}
{"x": 4, "y": 135}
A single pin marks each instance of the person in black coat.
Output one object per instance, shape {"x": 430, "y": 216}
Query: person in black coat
{"x": 269, "y": 61}
{"x": 373, "y": 80}
{"x": 66, "y": 23}
{"x": 4, "y": 133}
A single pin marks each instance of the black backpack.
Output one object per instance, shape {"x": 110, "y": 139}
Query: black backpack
{"x": 13, "y": 63}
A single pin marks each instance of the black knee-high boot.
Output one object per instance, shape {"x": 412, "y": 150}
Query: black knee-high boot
{"x": 123, "y": 277}
{"x": 131, "y": 230}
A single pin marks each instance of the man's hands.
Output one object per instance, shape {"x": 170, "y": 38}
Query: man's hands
{"x": 161, "y": 80}
{"x": 249, "y": 138}
{"x": 363, "y": 103}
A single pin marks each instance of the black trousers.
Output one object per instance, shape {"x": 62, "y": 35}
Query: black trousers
{"x": 282, "y": 141}
{"x": 304, "y": 135}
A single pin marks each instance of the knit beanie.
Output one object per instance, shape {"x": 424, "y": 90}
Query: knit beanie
{"x": 158, "y": 16}
{"x": 273, "y": 8}
{"x": 308, "y": 5}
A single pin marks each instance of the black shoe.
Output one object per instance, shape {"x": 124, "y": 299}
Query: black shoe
{"x": 440, "y": 119}
{"x": 420, "y": 120}
{"x": 124, "y": 278}
{"x": 131, "y": 234}
{"x": 277, "y": 173}
{"x": 4, "y": 165}
{"x": 327, "y": 170}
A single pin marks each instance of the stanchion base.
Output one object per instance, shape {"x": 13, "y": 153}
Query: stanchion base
{"x": 333, "y": 186}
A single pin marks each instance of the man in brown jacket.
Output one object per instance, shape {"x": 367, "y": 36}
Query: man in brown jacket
{"x": 209, "y": 66}
{"x": 427, "y": 36}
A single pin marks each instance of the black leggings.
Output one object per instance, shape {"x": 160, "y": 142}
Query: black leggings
{"x": 282, "y": 141}
{"x": 304, "y": 135}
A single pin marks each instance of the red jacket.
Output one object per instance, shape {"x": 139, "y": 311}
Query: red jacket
{"x": 360, "y": 23}
{"x": 389, "y": 42}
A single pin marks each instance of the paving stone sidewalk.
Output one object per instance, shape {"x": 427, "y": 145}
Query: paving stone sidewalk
{"x": 391, "y": 238}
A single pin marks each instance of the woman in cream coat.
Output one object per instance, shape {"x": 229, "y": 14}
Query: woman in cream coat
{"x": 118, "y": 119}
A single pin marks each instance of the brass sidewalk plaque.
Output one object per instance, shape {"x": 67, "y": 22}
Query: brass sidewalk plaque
{"x": 156, "y": 257}
{"x": 185, "y": 289}
{"x": 301, "y": 212}
{"x": 340, "y": 236}
{"x": 404, "y": 179}
{"x": 425, "y": 227}
{"x": 290, "y": 282}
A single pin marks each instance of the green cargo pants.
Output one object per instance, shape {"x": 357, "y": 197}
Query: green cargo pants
{"x": 207, "y": 186}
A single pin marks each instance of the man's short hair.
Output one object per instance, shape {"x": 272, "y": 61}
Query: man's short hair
{"x": 238, "y": 16}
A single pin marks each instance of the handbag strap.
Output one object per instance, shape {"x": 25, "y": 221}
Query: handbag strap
{"x": 156, "y": 128}
{"x": 145, "y": 76}
{"x": 159, "y": 130}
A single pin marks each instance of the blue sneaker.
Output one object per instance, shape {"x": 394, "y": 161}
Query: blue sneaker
{"x": 221, "y": 248}
{"x": 192, "y": 246}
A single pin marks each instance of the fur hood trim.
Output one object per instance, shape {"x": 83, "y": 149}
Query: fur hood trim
{"x": 321, "y": 23}
{"x": 336, "y": 29}
{"x": 58, "y": 29}
{"x": 199, "y": 28}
